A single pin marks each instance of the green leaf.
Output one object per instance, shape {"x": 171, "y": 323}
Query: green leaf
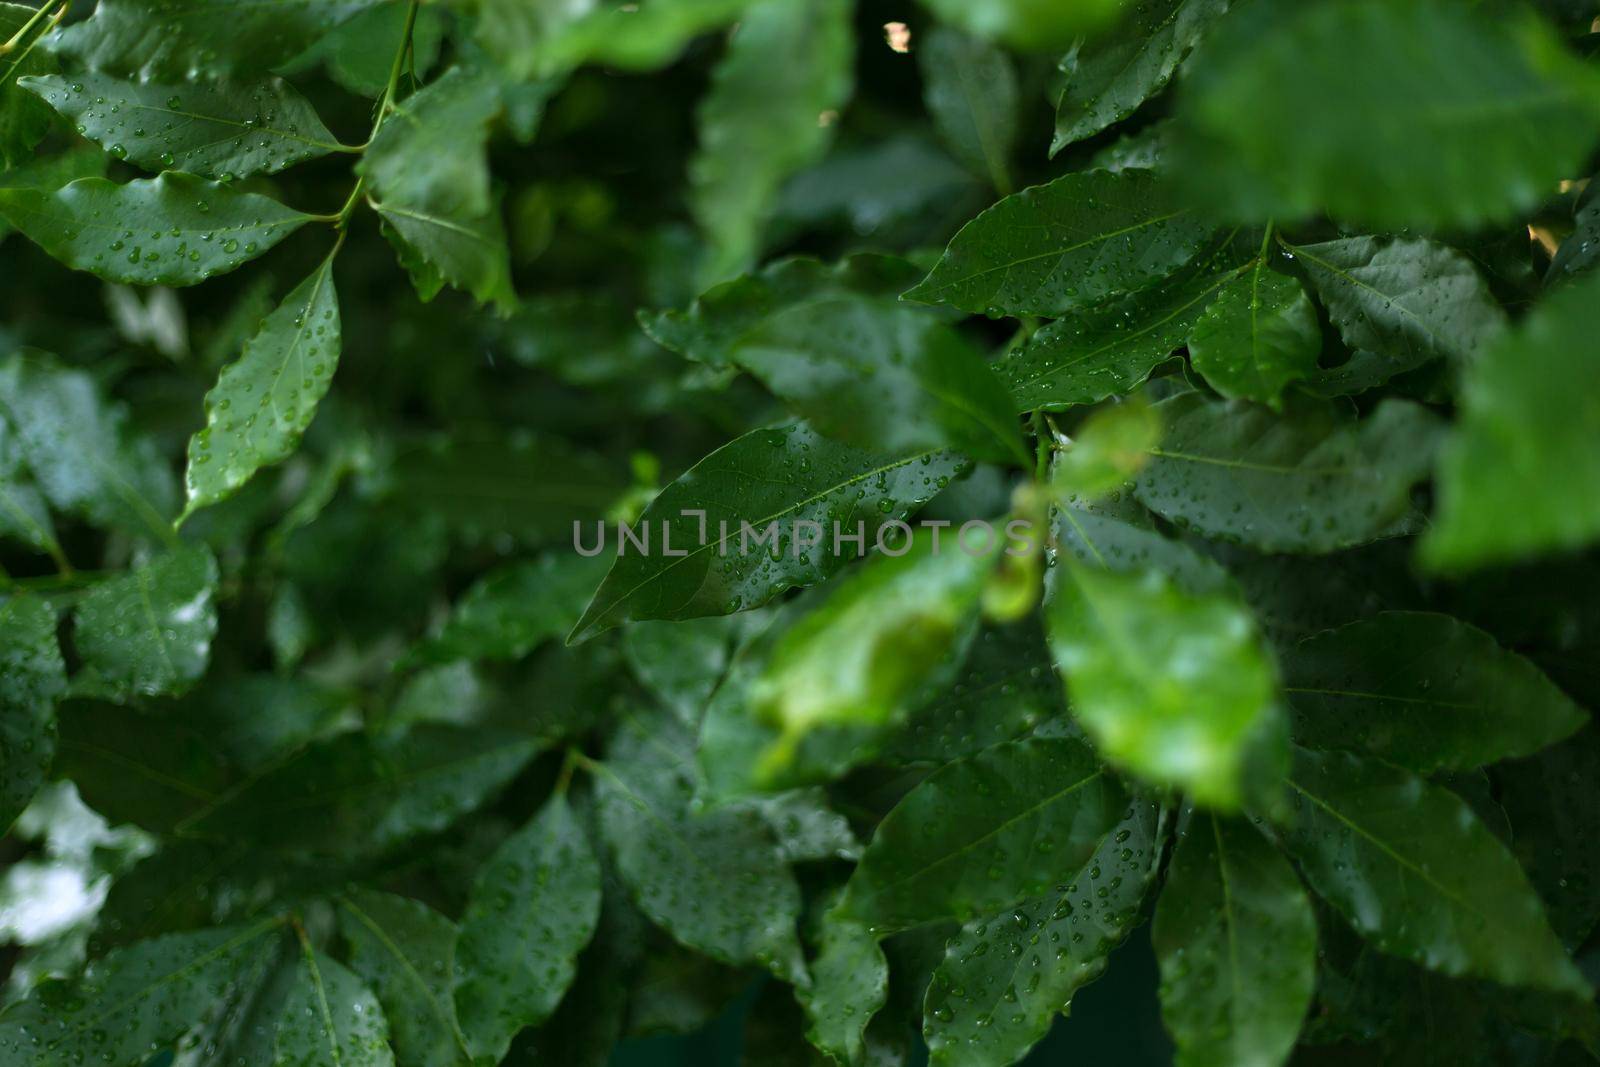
{"x": 1425, "y": 691}
{"x": 683, "y": 663}
{"x": 142, "y": 997}
{"x": 1090, "y": 355}
{"x": 766, "y": 115}
{"x": 970, "y": 89}
{"x": 1039, "y": 25}
{"x": 1005, "y": 977}
{"x": 1581, "y": 249}
{"x": 849, "y": 984}
{"x": 676, "y": 991}
{"x": 1174, "y": 686}
{"x": 211, "y": 127}
{"x": 1237, "y": 941}
{"x": 264, "y": 401}
{"x": 52, "y": 172}
{"x": 1427, "y": 113}
{"x": 1119, "y": 535}
{"x": 716, "y": 879}
{"x": 1065, "y": 245}
{"x": 32, "y": 679}
{"x": 405, "y": 952}
{"x": 843, "y": 675}
{"x": 1398, "y": 304}
{"x": 1109, "y": 77}
{"x": 1006, "y": 687}
{"x": 357, "y": 792}
{"x": 783, "y": 476}
{"x": 709, "y": 329}
{"x": 148, "y": 632}
{"x": 983, "y": 833}
{"x": 1107, "y": 449}
{"x": 533, "y": 908}
{"x": 885, "y": 377}
{"x": 1409, "y": 866}
{"x": 79, "y": 449}
{"x": 1530, "y": 410}
{"x": 429, "y": 175}
{"x": 171, "y": 38}
{"x": 616, "y": 34}
{"x": 1259, "y": 335}
{"x": 510, "y": 611}
{"x": 175, "y": 229}
{"x": 1311, "y": 481}
{"x": 24, "y": 121}
{"x": 329, "y": 1017}
{"x": 1554, "y": 813}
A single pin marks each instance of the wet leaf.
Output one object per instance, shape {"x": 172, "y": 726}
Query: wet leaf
{"x": 148, "y": 632}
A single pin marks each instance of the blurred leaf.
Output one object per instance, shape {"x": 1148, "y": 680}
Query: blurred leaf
{"x": 1409, "y": 866}
{"x": 779, "y": 87}
{"x": 1238, "y": 946}
{"x": 1554, "y": 813}
{"x": 782, "y": 477}
{"x": 510, "y": 611}
{"x": 1107, "y": 450}
{"x": 1068, "y": 244}
{"x": 24, "y": 121}
{"x": 849, "y": 983}
{"x": 970, "y": 89}
{"x": 1529, "y": 413}
{"x": 533, "y": 908}
{"x": 32, "y": 679}
{"x": 1032, "y": 24}
{"x": 983, "y": 833}
{"x": 1427, "y": 113}
{"x": 1425, "y": 691}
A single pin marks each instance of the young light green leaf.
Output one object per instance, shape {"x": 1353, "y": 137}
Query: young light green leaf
{"x": 1107, "y": 449}
{"x": 79, "y": 449}
{"x": 142, "y": 997}
{"x": 1006, "y": 687}
{"x": 1090, "y": 355}
{"x": 24, "y": 121}
{"x": 715, "y": 879}
{"x": 533, "y": 908}
{"x": 1258, "y": 335}
{"x": 1112, "y": 75}
{"x": 1413, "y": 870}
{"x": 788, "y": 66}
{"x": 1005, "y": 977}
{"x": 970, "y": 89}
{"x": 1425, "y": 691}
{"x": 1038, "y": 25}
{"x": 264, "y": 401}
{"x": 849, "y": 984}
{"x": 330, "y": 1017}
{"x": 1065, "y": 245}
{"x": 1237, "y": 940}
{"x": 1427, "y": 113}
{"x": 776, "y": 478}
{"x": 148, "y": 632}
{"x": 174, "y": 229}
{"x": 984, "y": 833}
{"x": 1405, "y": 300}
{"x": 1523, "y": 445}
{"x": 708, "y": 330}
{"x": 1312, "y": 481}
{"x": 885, "y": 377}
{"x": 212, "y": 127}
{"x": 405, "y": 952}
{"x": 468, "y": 254}
{"x": 1174, "y": 686}
{"x": 843, "y": 675}
{"x": 173, "y": 38}
{"x": 625, "y": 35}
{"x": 32, "y": 679}
{"x": 510, "y": 611}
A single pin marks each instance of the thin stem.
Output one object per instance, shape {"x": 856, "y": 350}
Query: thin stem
{"x": 341, "y": 219}
{"x": 1266, "y": 241}
{"x": 29, "y": 26}
{"x": 1042, "y": 444}
{"x": 569, "y": 763}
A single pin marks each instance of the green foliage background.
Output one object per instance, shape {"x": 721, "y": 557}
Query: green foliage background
{"x": 325, "y": 324}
